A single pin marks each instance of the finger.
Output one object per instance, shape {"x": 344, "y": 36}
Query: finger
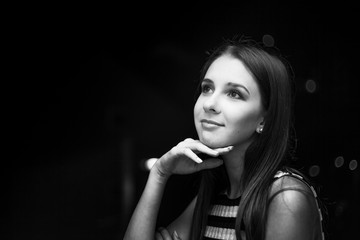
{"x": 165, "y": 234}
{"x": 158, "y": 236}
{"x": 188, "y": 140}
{"x": 200, "y": 147}
{"x": 224, "y": 149}
{"x": 190, "y": 154}
{"x": 176, "y": 236}
{"x": 210, "y": 163}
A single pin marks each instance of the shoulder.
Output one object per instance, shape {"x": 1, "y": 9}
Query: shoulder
{"x": 291, "y": 191}
{"x": 292, "y": 209}
{"x": 290, "y": 183}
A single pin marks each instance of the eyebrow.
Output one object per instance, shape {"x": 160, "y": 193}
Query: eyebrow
{"x": 229, "y": 84}
{"x": 238, "y": 85}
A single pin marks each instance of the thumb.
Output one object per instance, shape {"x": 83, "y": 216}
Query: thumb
{"x": 210, "y": 163}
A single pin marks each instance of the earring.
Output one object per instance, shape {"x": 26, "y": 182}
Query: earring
{"x": 260, "y": 129}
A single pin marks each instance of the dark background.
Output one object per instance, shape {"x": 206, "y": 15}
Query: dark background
{"x": 93, "y": 92}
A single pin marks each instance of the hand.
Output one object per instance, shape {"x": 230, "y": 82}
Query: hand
{"x": 163, "y": 234}
{"x": 183, "y": 159}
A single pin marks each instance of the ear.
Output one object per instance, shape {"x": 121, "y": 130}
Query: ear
{"x": 260, "y": 126}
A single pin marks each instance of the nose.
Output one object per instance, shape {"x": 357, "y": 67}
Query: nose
{"x": 211, "y": 104}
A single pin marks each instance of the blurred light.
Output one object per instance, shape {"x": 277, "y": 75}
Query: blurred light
{"x": 149, "y": 163}
{"x": 314, "y": 170}
{"x": 310, "y": 86}
{"x": 353, "y": 165}
{"x": 339, "y": 161}
{"x": 268, "y": 40}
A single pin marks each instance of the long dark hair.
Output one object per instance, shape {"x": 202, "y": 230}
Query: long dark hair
{"x": 270, "y": 150}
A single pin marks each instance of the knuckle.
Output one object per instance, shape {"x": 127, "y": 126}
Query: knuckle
{"x": 188, "y": 140}
{"x": 174, "y": 150}
{"x": 185, "y": 150}
{"x": 182, "y": 143}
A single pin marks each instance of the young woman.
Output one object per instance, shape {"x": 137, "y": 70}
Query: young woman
{"x": 243, "y": 120}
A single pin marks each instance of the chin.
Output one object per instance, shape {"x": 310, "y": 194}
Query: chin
{"x": 213, "y": 144}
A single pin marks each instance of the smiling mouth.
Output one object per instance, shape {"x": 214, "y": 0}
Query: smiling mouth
{"x": 206, "y": 121}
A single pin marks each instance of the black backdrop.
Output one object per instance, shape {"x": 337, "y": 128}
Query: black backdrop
{"x": 92, "y": 93}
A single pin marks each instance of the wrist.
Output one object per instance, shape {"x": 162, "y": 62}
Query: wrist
{"x": 159, "y": 173}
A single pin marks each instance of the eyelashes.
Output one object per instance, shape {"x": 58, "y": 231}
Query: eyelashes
{"x": 232, "y": 92}
{"x": 206, "y": 88}
{"x": 235, "y": 94}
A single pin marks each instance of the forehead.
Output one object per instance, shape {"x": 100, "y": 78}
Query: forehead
{"x": 227, "y": 69}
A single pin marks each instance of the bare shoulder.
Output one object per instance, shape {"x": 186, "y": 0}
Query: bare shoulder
{"x": 292, "y": 211}
{"x": 289, "y": 185}
{"x": 292, "y": 194}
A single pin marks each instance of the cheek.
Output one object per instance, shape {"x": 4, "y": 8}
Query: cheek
{"x": 245, "y": 123}
{"x": 196, "y": 113}
{"x": 197, "y": 109}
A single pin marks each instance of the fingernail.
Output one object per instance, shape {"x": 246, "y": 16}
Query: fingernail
{"x": 176, "y": 235}
{"x": 227, "y": 149}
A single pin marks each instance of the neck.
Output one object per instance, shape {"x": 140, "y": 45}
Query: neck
{"x": 234, "y": 165}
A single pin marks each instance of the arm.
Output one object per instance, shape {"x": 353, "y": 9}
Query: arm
{"x": 143, "y": 220}
{"x": 181, "y": 159}
{"x": 292, "y": 213}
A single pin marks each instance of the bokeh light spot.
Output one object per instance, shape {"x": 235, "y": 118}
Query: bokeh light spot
{"x": 268, "y": 40}
{"x": 339, "y": 161}
{"x": 310, "y": 86}
{"x": 149, "y": 163}
{"x": 353, "y": 164}
{"x": 314, "y": 170}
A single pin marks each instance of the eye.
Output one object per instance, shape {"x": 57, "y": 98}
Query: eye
{"x": 235, "y": 94}
{"x": 205, "y": 88}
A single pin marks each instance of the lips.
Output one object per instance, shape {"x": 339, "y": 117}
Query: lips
{"x": 211, "y": 122}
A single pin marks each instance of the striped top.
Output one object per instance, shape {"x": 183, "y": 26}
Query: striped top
{"x": 221, "y": 218}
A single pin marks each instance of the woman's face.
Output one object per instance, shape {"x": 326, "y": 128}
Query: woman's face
{"x": 229, "y": 109}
